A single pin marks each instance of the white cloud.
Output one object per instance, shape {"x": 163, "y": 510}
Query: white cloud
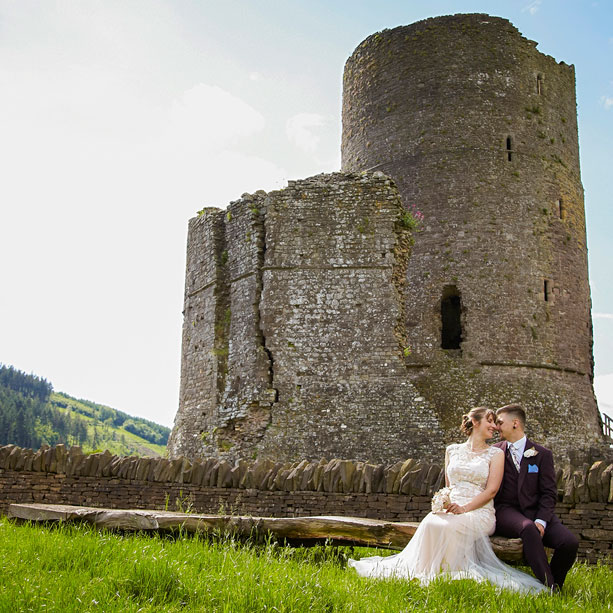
{"x": 602, "y": 315}
{"x": 204, "y": 149}
{"x": 607, "y": 102}
{"x": 603, "y": 386}
{"x": 208, "y": 116}
{"x": 102, "y": 170}
{"x": 532, "y": 7}
{"x": 302, "y": 131}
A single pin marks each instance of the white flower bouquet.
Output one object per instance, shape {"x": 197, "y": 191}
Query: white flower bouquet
{"x": 441, "y": 500}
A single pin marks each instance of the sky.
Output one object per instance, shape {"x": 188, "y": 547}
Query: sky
{"x": 120, "y": 119}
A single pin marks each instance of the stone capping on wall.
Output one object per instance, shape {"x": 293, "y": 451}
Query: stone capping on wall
{"x": 576, "y": 484}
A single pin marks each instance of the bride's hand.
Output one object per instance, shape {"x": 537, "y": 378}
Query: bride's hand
{"x": 456, "y": 509}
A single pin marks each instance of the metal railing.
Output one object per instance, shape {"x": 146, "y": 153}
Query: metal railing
{"x": 607, "y": 425}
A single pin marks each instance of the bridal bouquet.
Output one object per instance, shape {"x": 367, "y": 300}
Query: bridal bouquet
{"x": 441, "y": 500}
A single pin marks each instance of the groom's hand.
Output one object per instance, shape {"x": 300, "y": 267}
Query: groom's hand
{"x": 540, "y": 528}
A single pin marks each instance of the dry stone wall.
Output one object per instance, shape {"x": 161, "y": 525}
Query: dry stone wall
{"x": 400, "y": 491}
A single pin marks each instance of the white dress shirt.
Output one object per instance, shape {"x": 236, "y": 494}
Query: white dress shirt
{"x": 520, "y": 446}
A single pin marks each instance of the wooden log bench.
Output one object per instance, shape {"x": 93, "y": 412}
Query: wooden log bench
{"x": 337, "y": 530}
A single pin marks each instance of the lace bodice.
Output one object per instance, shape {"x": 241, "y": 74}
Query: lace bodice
{"x": 468, "y": 471}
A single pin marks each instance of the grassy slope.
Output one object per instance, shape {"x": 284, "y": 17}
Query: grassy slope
{"x": 68, "y": 569}
{"x": 131, "y": 444}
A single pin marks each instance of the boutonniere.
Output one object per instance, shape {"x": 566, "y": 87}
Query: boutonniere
{"x": 530, "y": 453}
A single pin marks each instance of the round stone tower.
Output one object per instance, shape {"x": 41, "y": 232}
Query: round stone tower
{"x": 479, "y": 131}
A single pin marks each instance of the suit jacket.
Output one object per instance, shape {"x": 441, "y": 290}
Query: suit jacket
{"x": 533, "y": 490}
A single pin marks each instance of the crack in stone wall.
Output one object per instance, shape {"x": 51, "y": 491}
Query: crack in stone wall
{"x": 259, "y": 286}
{"x": 402, "y": 254}
{"x": 245, "y": 409}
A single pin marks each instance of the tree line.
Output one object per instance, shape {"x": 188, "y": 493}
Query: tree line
{"x": 32, "y": 415}
{"x": 26, "y": 417}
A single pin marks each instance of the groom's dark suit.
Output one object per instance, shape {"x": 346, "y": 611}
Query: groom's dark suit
{"x": 531, "y": 494}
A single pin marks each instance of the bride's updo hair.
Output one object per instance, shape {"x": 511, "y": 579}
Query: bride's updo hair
{"x": 477, "y": 414}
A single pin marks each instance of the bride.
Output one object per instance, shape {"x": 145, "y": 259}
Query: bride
{"x": 453, "y": 540}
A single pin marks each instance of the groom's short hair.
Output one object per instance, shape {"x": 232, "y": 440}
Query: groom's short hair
{"x": 515, "y": 411}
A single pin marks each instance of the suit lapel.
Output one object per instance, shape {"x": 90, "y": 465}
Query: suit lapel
{"x": 523, "y": 467}
{"x": 505, "y": 447}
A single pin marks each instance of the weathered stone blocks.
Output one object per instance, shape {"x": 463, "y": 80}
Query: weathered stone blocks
{"x": 479, "y": 131}
{"x": 587, "y": 484}
{"x": 310, "y": 348}
{"x": 400, "y": 491}
{"x": 312, "y": 330}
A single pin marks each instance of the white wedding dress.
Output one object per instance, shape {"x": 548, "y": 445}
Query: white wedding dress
{"x": 456, "y": 546}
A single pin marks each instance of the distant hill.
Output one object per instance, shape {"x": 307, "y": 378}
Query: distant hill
{"x": 32, "y": 414}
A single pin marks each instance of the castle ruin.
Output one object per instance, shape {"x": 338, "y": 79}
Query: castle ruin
{"x": 318, "y": 323}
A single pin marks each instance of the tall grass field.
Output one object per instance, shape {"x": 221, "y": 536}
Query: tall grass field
{"x": 68, "y": 568}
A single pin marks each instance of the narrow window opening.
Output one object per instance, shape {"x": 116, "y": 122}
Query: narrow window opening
{"x": 546, "y": 290}
{"x": 451, "y": 318}
{"x": 560, "y": 208}
{"x": 509, "y": 149}
{"x": 539, "y": 84}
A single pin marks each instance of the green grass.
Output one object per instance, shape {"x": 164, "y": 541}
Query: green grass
{"x": 77, "y": 568}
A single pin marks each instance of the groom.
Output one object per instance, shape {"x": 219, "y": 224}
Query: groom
{"x": 526, "y": 501}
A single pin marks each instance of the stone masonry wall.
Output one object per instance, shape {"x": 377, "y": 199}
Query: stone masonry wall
{"x": 400, "y": 492}
{"x": 202, "y": 342}
{"x": 297, "y": 324}
{"x": 479, "y": 131}
{"x": 332, "y": 314}
{"x": 314, "y": 319}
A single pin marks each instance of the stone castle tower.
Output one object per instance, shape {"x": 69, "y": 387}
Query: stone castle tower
{"x": 317, "y": 324}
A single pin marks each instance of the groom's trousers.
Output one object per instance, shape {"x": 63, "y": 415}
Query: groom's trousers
{"x": 510, "y": 522}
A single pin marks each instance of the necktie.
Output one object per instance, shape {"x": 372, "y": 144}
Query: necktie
{"x": 515, "y": 456}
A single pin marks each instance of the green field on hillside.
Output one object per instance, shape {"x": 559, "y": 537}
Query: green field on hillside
{"x": 102, "y": 433}
{"x": 32, "y": 415}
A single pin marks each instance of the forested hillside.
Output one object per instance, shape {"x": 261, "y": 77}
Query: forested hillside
{"x": 31, "y": 415}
